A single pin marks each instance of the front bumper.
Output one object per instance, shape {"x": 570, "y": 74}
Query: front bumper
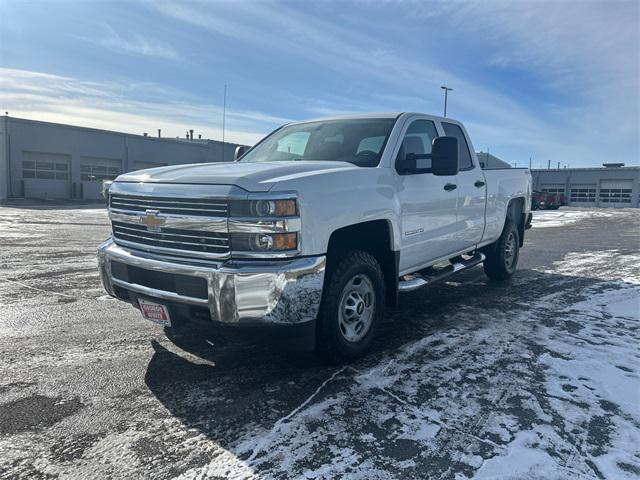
{"x": 281, "y": 292}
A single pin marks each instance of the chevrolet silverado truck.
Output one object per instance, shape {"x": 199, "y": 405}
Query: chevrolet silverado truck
{"x": 322, "y": 223}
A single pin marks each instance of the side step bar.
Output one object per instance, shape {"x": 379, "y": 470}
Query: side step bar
{"x": 429, "y": 276}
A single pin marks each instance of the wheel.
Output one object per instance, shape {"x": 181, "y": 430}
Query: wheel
{"x": 502, "y": 256}
{"x": 352, "y": 306}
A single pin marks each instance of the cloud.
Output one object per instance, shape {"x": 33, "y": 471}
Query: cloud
{"x": 134, "y": 44}
{"x": 116, "y": 106}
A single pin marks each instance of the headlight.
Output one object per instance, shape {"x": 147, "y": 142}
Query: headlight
{"x": 264, "y": 208}
{"x": 264, "y": 227}
{"x": 264, "y": 242}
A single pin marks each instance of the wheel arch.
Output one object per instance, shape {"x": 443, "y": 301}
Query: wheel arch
{"x": 376, "y": 238}
{"x": 516, "y": 214}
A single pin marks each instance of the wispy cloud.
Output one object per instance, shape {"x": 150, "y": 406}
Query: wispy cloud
{"x": 115, "y": 106}
{"x": 133, "y": 43}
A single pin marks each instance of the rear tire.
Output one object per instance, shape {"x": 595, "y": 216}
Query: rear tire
{"x": 352, "y": 307}
{"x": 502, "y": 256}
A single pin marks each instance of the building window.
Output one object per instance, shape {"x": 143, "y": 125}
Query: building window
{"x": 45, "y": 170}
{"x": 583, "y": 193}
{"x": 97, "y": 173}
{"x": 615, "y": 195}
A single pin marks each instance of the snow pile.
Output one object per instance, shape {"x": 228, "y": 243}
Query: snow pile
{"x": 561, "y": 218}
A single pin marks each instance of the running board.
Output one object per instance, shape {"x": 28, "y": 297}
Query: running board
{"x": 435, "y": 275}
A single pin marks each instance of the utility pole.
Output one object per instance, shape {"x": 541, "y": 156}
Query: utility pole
{"x": 446, "y": 92}
{"x": 224, "y": 117}
{"x": 548, "y": 164}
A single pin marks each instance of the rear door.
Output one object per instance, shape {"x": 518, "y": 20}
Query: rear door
{"x": 472, "y": 191}
{"x": 428, "y": 209}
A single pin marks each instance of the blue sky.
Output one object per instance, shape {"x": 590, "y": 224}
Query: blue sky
{"x": 552, "y": 80}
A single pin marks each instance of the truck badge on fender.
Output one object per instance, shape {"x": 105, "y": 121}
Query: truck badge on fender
{"x": 413, "y": 232}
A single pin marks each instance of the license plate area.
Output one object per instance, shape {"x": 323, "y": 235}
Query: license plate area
{"x": 155, "y": 312}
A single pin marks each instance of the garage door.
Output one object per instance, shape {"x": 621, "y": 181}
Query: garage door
{"x": 582, "y": 193}
{"x": 615, "y": 193}
{"x": 93, "y": 171}
{"x": 46, "y": 175}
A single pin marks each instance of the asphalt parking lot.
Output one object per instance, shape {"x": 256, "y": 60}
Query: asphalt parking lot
{"x": 534, "y": 378}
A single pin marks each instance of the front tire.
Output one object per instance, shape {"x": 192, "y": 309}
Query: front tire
{"x": 352, "y": 306}
{"x": 502, "y": 256}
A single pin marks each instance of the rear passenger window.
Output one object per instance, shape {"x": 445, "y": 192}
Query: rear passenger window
{"x": 464, "y": 156}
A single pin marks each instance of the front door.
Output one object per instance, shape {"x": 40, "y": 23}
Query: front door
{"x": 471, "y": 192}
{"x": 427, "y": 204}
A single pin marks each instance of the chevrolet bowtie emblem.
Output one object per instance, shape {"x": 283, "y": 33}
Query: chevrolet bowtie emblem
{"x": 152, "y": 220}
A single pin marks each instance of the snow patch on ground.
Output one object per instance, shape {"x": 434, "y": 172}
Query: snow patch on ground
{"x": 561, "y": 218}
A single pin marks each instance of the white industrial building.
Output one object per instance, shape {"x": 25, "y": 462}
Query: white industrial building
{"x": 612, "y": 185}
{"x": 49, "y": 160}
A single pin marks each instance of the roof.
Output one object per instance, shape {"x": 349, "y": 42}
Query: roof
{"x": 364, "y": 116}
{"x": 195, "y": 141}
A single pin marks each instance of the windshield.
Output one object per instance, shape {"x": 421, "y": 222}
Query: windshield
{"x": 360, "y": 142}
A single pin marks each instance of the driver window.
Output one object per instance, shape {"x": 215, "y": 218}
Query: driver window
{"x": 418, "y": 141}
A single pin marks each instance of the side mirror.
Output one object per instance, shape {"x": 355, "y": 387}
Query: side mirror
{"x": 240, "y": 151}
{"x": 406, "y": 163}
{"x": 106, "y": 185}
{"x": 444, "y": 156}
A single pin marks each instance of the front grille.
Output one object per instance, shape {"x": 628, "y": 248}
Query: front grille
{"x": 174, "y": 206}
{"x": 189, "y": 226}
{"x": 172, "y": 238}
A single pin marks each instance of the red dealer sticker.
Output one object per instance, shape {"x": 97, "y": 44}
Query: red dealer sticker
{"x": 155, "y": 312}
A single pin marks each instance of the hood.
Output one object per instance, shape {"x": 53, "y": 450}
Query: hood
{"x": 253, "y": 177}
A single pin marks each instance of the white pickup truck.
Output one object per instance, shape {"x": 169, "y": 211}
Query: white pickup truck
{"x": 321, "y": 223}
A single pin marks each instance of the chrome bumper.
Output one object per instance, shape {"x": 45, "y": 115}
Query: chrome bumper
{"x": 248, "y": 292}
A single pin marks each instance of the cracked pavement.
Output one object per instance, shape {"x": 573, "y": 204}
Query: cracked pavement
{"x": 534, "y": 378}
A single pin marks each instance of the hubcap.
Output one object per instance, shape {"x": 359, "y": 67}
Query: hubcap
{"x": 357, "y": 306}
{"x": 510, "y": 251}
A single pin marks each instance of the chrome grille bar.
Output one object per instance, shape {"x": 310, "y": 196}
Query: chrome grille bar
{"x": 181, "y": 206}
{"x": 167, "y": 233}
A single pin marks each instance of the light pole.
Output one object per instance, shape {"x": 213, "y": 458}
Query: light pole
{"x": 224, "y": 117}
{"x": 446, "y": 91}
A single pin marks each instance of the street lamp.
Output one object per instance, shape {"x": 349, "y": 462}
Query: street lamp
{"x": 446, "y": 91}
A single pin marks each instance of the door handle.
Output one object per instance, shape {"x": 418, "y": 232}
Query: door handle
{"x": 450, "y": 186}
{"x": 479, "y": 183}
